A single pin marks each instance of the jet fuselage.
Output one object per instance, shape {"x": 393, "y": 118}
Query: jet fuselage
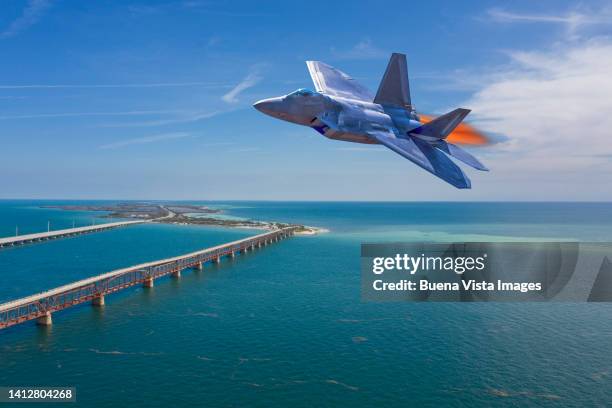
{"x": 338, "y": 118}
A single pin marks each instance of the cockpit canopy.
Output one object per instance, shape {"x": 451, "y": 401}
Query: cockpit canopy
{"x": 302, "y": 92}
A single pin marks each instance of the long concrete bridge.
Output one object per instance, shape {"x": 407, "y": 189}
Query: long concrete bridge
{"x": 40, "y": 307}
{"x": 69, "y": 232}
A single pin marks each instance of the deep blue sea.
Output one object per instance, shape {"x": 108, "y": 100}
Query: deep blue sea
{"x": 285, "y": 325}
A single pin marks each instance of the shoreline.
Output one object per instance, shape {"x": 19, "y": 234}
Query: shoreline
{"x": 184, "y": 215}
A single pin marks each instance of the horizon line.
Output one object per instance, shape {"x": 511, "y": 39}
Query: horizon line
{"x": 302, "y": 201}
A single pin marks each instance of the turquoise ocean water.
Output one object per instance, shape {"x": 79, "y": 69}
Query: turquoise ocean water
{"x": 285, "y": 326}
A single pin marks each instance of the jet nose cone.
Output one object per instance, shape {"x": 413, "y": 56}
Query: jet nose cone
{"x": 270, "y": 106}
{"x": 260, "y": 105}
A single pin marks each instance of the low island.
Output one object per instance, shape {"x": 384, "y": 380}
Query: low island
{"x": 183, "y": 214}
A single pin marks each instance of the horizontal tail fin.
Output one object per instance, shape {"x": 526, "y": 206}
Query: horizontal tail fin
{"x": 442, "y": 126}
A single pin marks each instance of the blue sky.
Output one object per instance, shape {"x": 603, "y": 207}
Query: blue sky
{"x": 152, "y": 99}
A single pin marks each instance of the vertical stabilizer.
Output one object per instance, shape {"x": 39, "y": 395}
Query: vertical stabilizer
{"x": 394, "y": 88}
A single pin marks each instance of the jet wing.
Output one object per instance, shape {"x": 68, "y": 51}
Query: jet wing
{"x": 425, "y": 156}
{"x": 331, "y": 81}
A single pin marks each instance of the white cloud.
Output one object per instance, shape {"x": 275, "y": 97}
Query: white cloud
{"x": 144, "y": 85}
{"x": 554, "y": 106}
{"x": 146, "y": 140}
{"x": 246, "y": 150}
{"x": 30, "y": 16}
{"x": 213, "y": 41}
{"x": 364, "y": 49}
{"x": 169, "y": 117}
{"x": 186, "y": 117}
{"x": 195, "y": 3}
{"x": 79, "y": 114}
{"x": 252, "y": 79}
{"x": 573, "y": 20}
{"x": 146, "y": 8}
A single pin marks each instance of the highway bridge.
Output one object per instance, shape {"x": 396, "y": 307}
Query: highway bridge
{"x": 40, "y": 307}
{"x": 70, "y": 232}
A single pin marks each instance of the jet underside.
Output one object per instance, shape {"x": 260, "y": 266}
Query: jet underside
{"x": 352, "y": 123}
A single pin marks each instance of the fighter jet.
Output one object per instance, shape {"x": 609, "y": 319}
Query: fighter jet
{"x": 342, "y": 109}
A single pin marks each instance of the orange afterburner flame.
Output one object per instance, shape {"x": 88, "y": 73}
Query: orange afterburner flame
{"x": 463, "y": 134}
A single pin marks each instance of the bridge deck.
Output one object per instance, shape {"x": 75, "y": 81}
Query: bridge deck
{"x": 42, "y": 304}
{"x": 43, "y": 236}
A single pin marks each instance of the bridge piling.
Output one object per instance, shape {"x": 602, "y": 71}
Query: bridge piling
{"x": 176, "y": 274}
{"x": 98, "y": 301}
{"x": 45, "y": 320}
{"x": 148, "y": 282}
